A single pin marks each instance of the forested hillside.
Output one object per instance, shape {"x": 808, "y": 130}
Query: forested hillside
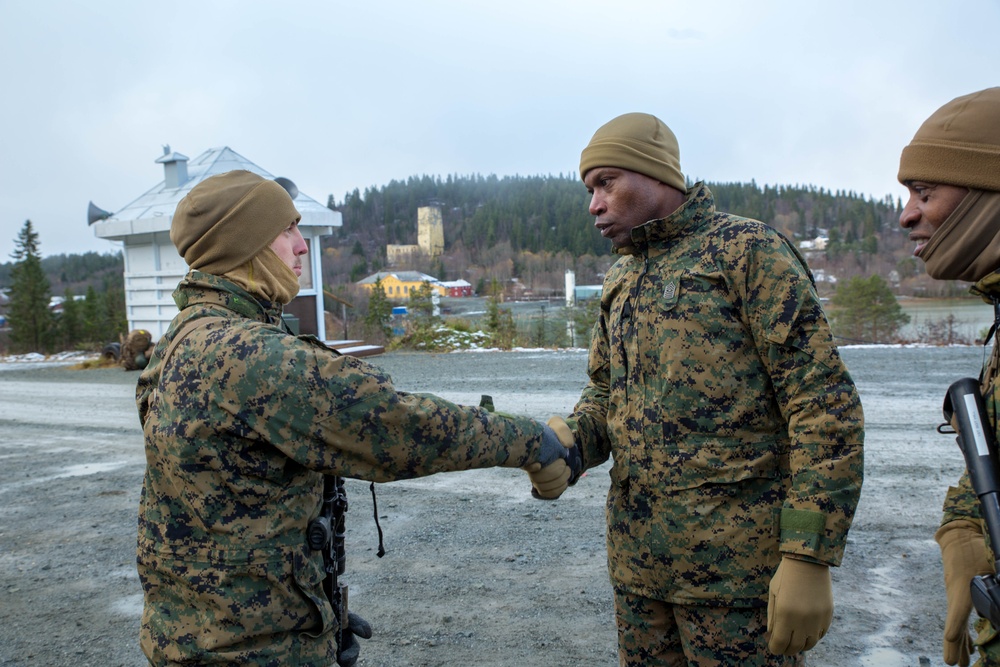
{"x": 533, "y": 228}
{"x": 525, "y": 231}
{"x": 102, "y": 271}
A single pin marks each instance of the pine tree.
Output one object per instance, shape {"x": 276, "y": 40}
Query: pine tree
{"x": 30, "y": 319}
{"x": 867, "y": 311}
{"x": 499, "y": 322}
{"x": 585, "y": 316}
{"x": 540, "y": 333}
{"x": 492, "y": 320}
{"x": 379, "y": 317}
{"x": 69, "y": 321}
{"x": 421, "y": 304}
{"x": 91, "y": 317}
{"x": 114, "y": 322}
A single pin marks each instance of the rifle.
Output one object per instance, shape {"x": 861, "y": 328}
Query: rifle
{"x": 965, "y": 410}
{"x": 326, "y": 532}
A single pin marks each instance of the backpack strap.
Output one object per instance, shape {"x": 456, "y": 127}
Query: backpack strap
{"x": 182, "y": 332}
{"x": 188, "y": 327}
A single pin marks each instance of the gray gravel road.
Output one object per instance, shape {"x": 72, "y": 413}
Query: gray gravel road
{"x": 476, "y": 573}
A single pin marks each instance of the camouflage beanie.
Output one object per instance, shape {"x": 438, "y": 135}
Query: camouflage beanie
{"x": 227, "y": 219}
{"x": 638, "y": 142}
{"x": 958, "y": 145}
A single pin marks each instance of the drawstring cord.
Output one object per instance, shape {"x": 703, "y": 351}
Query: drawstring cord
{"x": 381, "y": 545}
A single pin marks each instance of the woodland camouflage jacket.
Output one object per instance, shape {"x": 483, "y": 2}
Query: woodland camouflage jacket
{"x": 240, "y": 425}
{"x": 735, "y": 429}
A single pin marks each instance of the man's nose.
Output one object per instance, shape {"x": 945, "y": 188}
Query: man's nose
{"x": 909, "y": 216}
{"x": 597, "y": 205}
{"x": 301, "y": 247}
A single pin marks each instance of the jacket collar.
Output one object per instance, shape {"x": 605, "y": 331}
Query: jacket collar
{"x": 692, "y": 214}
{"x": 198, "y": 288}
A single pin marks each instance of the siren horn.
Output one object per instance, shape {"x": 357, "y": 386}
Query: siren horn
{"x": 290, "y": 187}
{"x": 95, "y": 213}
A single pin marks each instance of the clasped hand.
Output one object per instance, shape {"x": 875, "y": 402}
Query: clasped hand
{"x": 560, "y": 462}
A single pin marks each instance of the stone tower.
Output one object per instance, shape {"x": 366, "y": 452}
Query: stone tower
{"x": 430, "y": 230}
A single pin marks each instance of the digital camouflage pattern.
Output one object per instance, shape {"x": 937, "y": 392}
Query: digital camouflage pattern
{"x": 654, "y": 634}
{"x": 961, "y": 501}
{"x": 735, "y": 428}
{"x": 240, "y": 423}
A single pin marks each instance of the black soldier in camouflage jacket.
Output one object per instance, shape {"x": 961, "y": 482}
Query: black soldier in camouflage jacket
{"x": 951, "y": 169}
{"x": 242, "y": 420}
{"x": 735, "y": 429}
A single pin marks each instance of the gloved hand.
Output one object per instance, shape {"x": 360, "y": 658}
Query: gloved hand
{"x": 350, "y": 649}
{"x": 963, "y": 551}
{"x": 559, "y": 462}
{"x": 799, "y": 606}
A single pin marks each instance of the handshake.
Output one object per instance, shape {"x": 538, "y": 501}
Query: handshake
{"x": 559, "y": 462}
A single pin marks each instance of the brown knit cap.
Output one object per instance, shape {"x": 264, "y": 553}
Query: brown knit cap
{"x": 958, "y": 145}
{"x": 638, "y": 142}
{"x": 227, "y": 219}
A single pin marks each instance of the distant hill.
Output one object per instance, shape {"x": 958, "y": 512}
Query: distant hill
{"x": 532, "y": 228}
{"x": 525, "y": 231}
{"x": 101, "y": 271}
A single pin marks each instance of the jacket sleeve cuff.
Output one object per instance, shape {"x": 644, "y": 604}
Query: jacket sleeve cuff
{"x": 961, "y": 503}
{"x": 802, "y": 532}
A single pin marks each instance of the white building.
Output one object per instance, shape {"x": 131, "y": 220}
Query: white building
{"x": 152, "y": 265}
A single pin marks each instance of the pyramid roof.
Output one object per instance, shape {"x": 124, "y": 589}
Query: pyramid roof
{"x": 153, "y": 210}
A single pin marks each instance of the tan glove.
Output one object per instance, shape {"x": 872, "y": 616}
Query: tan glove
{"x": 964, "y": 554}
{"x": 548, "y": 483}
{"x": 799, "y": 606}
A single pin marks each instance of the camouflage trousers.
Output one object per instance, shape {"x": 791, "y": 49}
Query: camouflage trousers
{"x": 987, "y": 644}
{"x": 652, "y": 633}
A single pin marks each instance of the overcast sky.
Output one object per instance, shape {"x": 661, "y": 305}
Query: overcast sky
{"x": 344, "y": 95}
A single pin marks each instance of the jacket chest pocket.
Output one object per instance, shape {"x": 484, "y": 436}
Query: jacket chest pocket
{"x": 703, "y": 461}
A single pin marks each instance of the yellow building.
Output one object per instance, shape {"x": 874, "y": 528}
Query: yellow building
{"x": 397, "y": 254}
{"x": 399, "y": 284}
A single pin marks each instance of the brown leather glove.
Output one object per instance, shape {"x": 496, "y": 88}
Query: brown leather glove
{"x": 964, "y": 554}
{"x": 799, "y": 606}
{"x": 548, "y": 483}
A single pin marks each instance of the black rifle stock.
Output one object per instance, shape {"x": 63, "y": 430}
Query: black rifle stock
{"x": 965, "y": 410}
{"x": 327, "y": 532}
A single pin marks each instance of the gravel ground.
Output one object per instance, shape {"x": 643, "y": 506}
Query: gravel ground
{"x": 476, "y": 572}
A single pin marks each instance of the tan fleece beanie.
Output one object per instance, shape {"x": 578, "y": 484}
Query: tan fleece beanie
{"x": 227, "y": 219}
{"x": 958, "y": 145}
{"x": 638, "y": 142}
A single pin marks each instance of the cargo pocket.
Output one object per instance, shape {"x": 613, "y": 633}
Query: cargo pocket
{"x": 717, "y": 529}
{"x": 725, "y": 485}
{"x": 309, "y": 576}
{"x": 709, "y": 459}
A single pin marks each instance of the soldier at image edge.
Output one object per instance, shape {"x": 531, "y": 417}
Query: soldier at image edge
{"x": 951, "y": 170}
{"x": 735, "y": 429}
{"x": 242, "y": 421}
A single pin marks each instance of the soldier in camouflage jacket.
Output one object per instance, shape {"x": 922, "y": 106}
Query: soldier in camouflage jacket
{"x": 242, "y": 420}
{"x": 951, "y": 169}
{"x": 735, "y": 429}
